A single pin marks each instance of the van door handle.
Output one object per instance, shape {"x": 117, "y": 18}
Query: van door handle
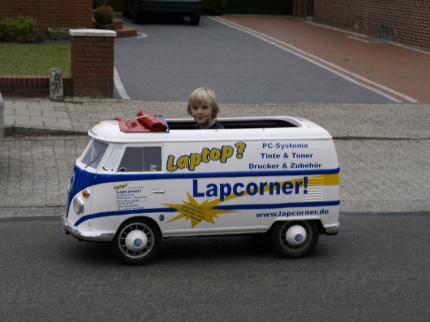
{"x": 158, "y": 191}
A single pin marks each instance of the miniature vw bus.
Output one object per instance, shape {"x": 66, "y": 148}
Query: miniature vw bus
{"x": 145, "y": 179}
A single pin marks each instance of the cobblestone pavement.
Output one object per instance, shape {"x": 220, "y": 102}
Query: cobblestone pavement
{"x": 35, "y": 171}
{"x": 341, "y": 120}
{"x": 377, "y": 175}
{"x": 384, "y": 175}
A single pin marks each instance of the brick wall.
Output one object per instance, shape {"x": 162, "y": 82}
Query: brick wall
{"x": 93, "y": 62}
{"x": 30, "y": 86}
{"x": 407, "y": 20}
{"x": 51, "y": 13}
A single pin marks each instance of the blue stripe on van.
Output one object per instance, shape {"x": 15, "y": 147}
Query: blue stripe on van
{"x": 280, "y": 205}
{"x": 122, "y": 213}
{"x": 102, "y": 178}
{"x": 84, "y": 179}
{"x": 230, "y": 207}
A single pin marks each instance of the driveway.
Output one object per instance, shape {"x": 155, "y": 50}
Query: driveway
{"x": 393, "y": 69}
{"x": 167, "y": 61}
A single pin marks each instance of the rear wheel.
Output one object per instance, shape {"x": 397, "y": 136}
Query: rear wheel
{"x": 294, "y": 239}
{"x": 195, "y": 19}
{"x": 125, "y": 11}
{"x": 136, "y": 242}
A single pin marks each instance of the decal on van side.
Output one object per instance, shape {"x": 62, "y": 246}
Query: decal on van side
{"x": 193, "y": 160}
{"x": 208, "y": 209}
{"x": 195, "y": 212}
{"x": 129, "y": 197}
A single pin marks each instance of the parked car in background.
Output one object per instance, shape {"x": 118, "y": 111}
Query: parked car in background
{"x": 136, "y": 9}
{"x": 1, "y": 117}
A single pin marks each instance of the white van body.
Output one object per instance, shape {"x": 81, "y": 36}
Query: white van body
{"x": 189, "y": 182}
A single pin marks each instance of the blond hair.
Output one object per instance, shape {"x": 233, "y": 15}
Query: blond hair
{"x": 203, "y": 96}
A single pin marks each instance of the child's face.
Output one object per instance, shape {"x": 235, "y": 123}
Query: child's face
{"x": 202, "y": 114}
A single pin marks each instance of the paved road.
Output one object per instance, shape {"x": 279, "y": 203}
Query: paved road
{"x": 176, "y": 58}
{"x": 375, "y": 269}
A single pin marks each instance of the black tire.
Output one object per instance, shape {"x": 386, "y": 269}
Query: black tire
{"x": 195, "y": 19}
{"x": 135, "y": 14}
{"x": 126, "y": 9}
{"x": 286, "y": 249}
{"x": 142, "y": 253}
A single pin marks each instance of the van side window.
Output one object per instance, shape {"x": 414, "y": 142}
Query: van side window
{"x": 113, "y": 159}
{"x": 94, "y": 154}
{"x": 138, "y": 159}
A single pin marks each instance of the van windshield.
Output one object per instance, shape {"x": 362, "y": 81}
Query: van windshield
{"x": 94, "y": 154}
{"x": 234, "y": 124}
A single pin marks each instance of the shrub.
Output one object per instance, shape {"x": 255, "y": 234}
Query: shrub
{"x": 214, "y": 7}
{"x": 19, "y": 29}
{"x": 104, "y": 15}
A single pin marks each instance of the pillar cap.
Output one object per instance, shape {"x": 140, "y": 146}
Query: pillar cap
{"x": 92, "y": 33}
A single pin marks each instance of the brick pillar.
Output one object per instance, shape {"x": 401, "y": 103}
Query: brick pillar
{"x": 92, "y": 62}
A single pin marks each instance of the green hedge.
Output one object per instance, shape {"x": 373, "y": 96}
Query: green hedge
{"x": 19, "y": 29}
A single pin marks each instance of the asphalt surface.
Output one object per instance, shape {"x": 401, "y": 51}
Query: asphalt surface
{"x": 173, "y": 59}
{"x": 376, "y": 269}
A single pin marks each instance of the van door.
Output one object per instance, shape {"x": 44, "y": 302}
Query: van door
{"x": 129, "y": 184}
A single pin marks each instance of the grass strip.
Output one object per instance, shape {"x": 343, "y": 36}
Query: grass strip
{"x": 34, "y": 59}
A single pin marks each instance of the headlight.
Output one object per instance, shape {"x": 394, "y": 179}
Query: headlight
{"x": 78, "y": 205}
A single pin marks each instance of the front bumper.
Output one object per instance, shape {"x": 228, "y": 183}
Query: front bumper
{"x": 87, "y": 235}
{"x": 177, "y": 7}
{"x": 332, "y": 229}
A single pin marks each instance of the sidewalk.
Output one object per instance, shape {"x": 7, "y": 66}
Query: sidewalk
{"x": 384, "y": 150}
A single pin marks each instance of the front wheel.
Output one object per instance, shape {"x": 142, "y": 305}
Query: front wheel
{"x": 294, "y": 239}
{"x": 135, "y": 14}
{"x": 136, "y": 242}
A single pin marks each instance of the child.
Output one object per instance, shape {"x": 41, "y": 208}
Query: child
{"x": 203, "y": 106}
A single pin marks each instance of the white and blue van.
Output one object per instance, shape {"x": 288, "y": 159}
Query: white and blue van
{"x": 145, "y": 179}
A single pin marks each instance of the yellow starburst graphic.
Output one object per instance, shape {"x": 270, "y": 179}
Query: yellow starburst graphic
{"x": 195, "y": 212}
